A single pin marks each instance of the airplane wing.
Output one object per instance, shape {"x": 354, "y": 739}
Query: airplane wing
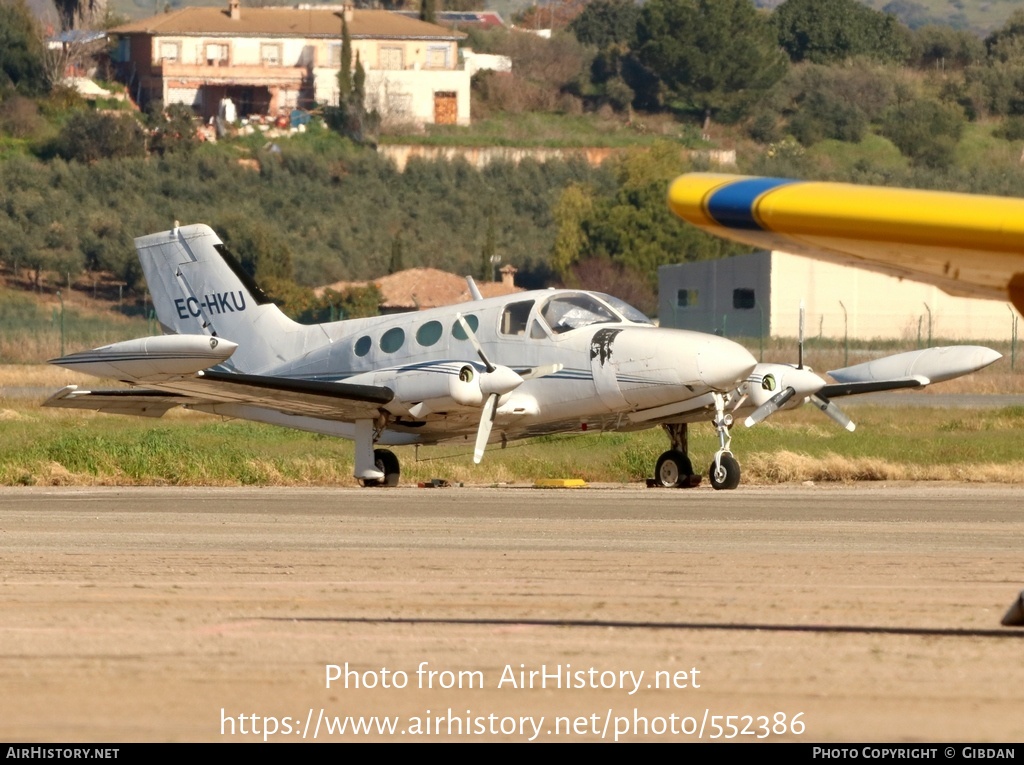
{"x": 330, "y": 401}
{"x": 966, "y": 244}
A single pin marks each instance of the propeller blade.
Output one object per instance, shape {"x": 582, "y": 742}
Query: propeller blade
{"x": 800, "y": 339}
{"x": 543, "y": 371}
{"x": 833, "y": 411}
{"x": 769, "y": 407}
{"x": 483, "y": 433}
{"x": 476, "y": 343}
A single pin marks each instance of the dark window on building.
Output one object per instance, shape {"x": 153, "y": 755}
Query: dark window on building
{"x": 742, "y": 299}
{"x": 686, "y": 298}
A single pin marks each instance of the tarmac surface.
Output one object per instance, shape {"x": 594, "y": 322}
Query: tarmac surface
{"x": 867, "y": 613}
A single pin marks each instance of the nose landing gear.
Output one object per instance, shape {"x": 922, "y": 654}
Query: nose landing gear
{"x": 674, "y": 470}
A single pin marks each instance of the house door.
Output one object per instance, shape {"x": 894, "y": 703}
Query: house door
{"x": 446, "y": 107}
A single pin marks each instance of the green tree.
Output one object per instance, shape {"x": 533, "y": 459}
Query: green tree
{"x": 489, "y": 251}
{"x": 925, "y": 130}
{"x": 575, "y": 205}
{"x": 345, "y": 70}
{"x": 631, "y": 227}
{"x": 604, "y": 23}
{"x": 427, "y": 11}
{"x": 397, "y": 260}
{"x": 22, "y": 56}
{"x": 714, "y": 57}
{"x": 90, "y": 136}
{"x": 941, "y": 47}
{"x": 829, "y": 31}
{"x": 1007, "y": 42}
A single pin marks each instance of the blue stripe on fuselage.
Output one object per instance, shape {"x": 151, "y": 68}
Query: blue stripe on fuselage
{"x": 732, "y": 206}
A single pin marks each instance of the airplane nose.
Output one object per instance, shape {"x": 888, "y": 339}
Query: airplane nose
{"x": 723, "y": 364}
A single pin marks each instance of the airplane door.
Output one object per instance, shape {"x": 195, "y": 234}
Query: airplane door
{"x": 605, "y": 369}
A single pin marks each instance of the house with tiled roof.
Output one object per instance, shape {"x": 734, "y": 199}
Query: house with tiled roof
{"x": 417, "y": 288}
{"x": 269, "y": 61}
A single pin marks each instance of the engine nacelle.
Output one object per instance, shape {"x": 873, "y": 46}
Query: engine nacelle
{"x": 769, "y": 379}
{"x": 434, "y": 387}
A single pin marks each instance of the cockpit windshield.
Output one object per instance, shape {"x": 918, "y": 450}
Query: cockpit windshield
{"x": 573, "y": 311}
{"x": 632, "y": 314}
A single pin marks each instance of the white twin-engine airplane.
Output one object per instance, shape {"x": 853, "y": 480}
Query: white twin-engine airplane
{"x": 527, "y": 364}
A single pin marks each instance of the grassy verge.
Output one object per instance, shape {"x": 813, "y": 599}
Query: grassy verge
{"x": 552, "y": 131}
{"x": 54, "y": 447}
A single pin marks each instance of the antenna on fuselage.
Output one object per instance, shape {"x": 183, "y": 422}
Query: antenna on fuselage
{"x": 473, "y": 289}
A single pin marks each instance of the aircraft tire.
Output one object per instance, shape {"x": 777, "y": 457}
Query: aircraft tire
{"x": 673, "y": 469}
{"x": 728, "y": 475}
{"x": 387, "y": 463}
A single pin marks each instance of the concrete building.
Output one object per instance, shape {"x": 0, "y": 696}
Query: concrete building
{"x": 271, "y": 60}
{"x": 760, "y": 294}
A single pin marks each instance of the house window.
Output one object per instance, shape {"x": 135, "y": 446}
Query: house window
{"x": 392, "y": 57}
{"x": 437, "y": 57}
{"x": 270, "y": 54}
{"x": 170, "y": 52}
{"x": 743, "y": 299}
{"x": 216, "y": 54}
{"x": 399, "y": 104}
{"x": 686, "y": 298}
{"x": 334, "y": 55}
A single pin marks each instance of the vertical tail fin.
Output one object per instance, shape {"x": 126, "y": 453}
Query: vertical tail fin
{"x": 198, "y": 288}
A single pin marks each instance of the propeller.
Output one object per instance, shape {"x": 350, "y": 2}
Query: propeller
{"x": 794, "y": 381}
{"x": 494, "y": 383}
{"x": 797, "y": 381}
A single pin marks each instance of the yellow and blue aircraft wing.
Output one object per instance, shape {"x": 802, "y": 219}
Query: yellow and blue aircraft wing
{"x": 967, "y": 244}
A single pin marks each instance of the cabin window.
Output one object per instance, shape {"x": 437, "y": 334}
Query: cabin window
{"x": 457, "y": 330}
{"x": 429, "y": 333}
{"x": 515, "y": 316}
{"x": 363, "y": 345}
{"x": 392, "y": 340}
{"x": 742, "y": 299}
{"x": 686, "y": 298}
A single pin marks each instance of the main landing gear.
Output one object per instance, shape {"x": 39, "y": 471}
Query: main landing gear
{"x": 387, "y": 463}
{"x": 674, "y": 469}
{"x": 374, "y": 467}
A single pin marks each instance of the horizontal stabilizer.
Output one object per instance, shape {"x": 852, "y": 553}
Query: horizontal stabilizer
{"x": 134, "y": 401}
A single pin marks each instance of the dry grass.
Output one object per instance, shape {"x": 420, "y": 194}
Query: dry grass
{"x": 43, "y": 376}
{"x": 789, "y": 467}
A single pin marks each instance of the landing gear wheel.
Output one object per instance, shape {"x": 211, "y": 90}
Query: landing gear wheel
{"x": 387, "y": 463}
{"x": 673, "y": 470}
{"x": 726, "y": 474}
